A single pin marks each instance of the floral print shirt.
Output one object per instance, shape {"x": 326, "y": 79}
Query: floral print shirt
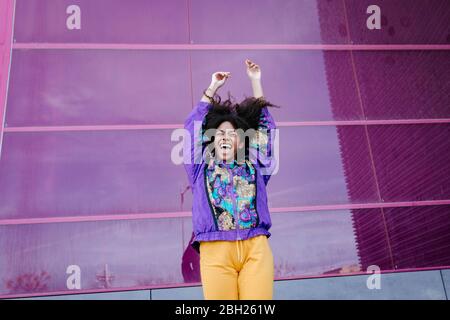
{"x": 232, "y": 192}
{"x": 231, "y": 187}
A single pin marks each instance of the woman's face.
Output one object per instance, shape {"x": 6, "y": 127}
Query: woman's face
{"x": 226, "y": 142}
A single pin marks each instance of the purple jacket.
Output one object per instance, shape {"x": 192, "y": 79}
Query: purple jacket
{"x": 205, "y": 225}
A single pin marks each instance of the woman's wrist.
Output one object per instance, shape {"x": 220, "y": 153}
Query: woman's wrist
{"x": 213, "y": 87}
{"x": 208, "y": 93}
{"x": 257, "y": 88}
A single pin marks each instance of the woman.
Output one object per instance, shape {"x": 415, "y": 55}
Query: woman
{"x": 228, "y": 179}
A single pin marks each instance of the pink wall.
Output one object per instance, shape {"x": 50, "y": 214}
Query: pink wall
{"x": 6, "y": 24}
{"x": 86, "y": 177}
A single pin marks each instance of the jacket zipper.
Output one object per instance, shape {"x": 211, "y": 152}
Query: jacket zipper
{"x": 236, "y": 213}
{"x": 256, "y": 196}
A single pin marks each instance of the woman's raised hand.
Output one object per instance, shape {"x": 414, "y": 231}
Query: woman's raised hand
{"x": 218, "y": 78}
{"x": 253, "y": 70}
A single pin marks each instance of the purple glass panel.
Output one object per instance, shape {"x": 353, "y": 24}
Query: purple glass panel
{"x": 308, "y": 85}
{"x": 412, "y": 161}
{"x": 76, "y": 87}
{"x": 323, "y": 242}
{"x": 419, "y": 236}
{"x": 129, "y": 253}
{"x": 404, "y": 84}
{"x": 322, "y": 165}
{"x": 371, "y": 239}
{"x": 402, "y": 22}
{"x": 56, "y": 174}
{"x": 268, "y": 22}
{"x": 6, "y": 9}
{"x": 336, "y": 242}
{"x": 6, "y": 18}
{"x": 132, "y": 253}
{"x": 119, "y": 172}
{"x": 103, "y": 21}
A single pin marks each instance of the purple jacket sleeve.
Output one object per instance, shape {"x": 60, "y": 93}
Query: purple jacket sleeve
{"x": 192, "y": 148}
{"x": 262, "y": 145}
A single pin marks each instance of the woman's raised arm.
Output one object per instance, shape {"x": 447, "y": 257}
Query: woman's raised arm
{"x": 254, "y": 74}
{"x": 193, "y": 148}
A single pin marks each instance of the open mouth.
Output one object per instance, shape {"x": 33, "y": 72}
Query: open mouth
{"x": 225, "y": 146}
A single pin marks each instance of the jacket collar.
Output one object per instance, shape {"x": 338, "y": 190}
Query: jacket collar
{"x": 222, "y": 164}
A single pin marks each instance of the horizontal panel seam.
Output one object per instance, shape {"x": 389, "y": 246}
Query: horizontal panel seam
{"x": 181, "y": 214}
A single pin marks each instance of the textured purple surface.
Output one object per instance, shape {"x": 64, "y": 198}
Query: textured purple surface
{"x": 412, "y": 161}
{"x": 404, "y": 84}
{"x": 105, "y": 171}
{"x": 403, "y": 21}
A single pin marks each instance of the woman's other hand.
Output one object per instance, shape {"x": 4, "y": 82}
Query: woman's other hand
{"x": 253, "y": 70}
{"x": 254, "y": 73}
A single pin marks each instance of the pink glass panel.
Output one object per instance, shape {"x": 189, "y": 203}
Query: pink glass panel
{"x": 297, "y": 81}
{"x": 103, "y": 21}
{"x": 54, "y": 174}
{"x": 322, "y": 165}
{"x": 134, "y": 253}
{"x": 131, "y": 253}
{"x": 268, "y": 22}
{"x": 87, "y": 87}
{"x": 111, "y": 72}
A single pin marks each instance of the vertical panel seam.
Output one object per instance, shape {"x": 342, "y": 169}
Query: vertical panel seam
{"x": 369, "y": 146}
{"x": 443, "y": 284}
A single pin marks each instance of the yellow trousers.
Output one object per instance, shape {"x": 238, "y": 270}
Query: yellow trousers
{"x": 237, "y": 270}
